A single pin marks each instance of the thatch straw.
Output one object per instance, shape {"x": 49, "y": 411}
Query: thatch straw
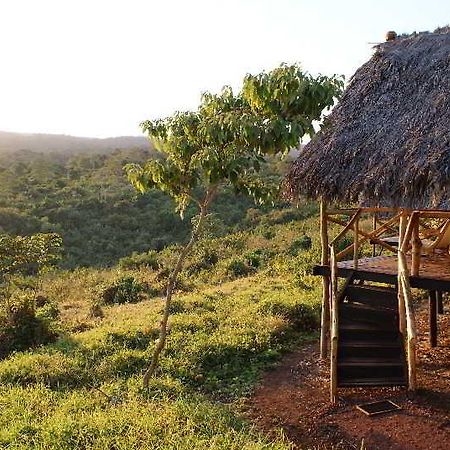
{"x": 387, "y": 142}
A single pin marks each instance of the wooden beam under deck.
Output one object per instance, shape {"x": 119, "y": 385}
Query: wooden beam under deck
{"x": 434, "y": 272}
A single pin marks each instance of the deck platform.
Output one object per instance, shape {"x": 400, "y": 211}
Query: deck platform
{"x": 434, "y": 271}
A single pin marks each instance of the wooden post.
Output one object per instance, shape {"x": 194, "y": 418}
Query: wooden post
{"x": 356, "y": 243}
{"x": 432, "y": 318}
{"x": 325, "y": 317}
{"x": 416, "y": 245}
{"x": 401, "y": 296}
{"x": 440, "y": 303}
{"x": 374, "y": 227}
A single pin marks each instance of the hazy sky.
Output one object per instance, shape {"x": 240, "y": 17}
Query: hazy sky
{"x": 98, "y": 68}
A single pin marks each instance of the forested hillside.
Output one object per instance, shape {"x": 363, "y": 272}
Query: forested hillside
{"x": 86, "y": 198}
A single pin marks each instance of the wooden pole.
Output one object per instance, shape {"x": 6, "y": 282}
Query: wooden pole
{"x": 374, "y": 227}
{"x": 325, "y": 317}
{"x": 401, "y": 296}
{"x": 432, "y": 318}
{"x": 416, "y": 245}
{"x": 356, "y": 243}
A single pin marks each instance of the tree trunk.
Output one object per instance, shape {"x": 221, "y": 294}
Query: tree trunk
{"x": 170, "y": 288}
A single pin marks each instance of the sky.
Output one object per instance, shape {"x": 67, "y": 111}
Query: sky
{"x": 99, "y": 68}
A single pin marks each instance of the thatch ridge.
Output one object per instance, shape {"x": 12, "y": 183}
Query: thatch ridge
{"x": 387, "y": 142}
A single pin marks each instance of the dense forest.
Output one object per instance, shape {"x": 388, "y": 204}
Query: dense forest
{"x": 87, "y": 199}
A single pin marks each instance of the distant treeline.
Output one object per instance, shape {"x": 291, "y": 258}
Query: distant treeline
{"x": 63, "y": 144}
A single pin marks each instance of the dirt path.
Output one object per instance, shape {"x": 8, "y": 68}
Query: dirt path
{"x": 295, "y": 397}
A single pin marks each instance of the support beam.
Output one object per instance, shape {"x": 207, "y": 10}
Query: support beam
{"x": 432, "y": 317}
{"x": 416, "y": 247}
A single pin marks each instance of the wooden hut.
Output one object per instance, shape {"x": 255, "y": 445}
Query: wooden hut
{"x": 386, "y": 149}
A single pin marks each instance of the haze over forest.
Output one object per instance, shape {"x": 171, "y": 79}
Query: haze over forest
{"x": 47, "y": 143}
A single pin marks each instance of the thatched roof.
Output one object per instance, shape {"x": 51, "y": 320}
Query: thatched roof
{"x": 387, "y": 142}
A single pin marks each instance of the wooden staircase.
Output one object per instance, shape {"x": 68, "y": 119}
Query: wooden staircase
{"x": 370, "y": 347}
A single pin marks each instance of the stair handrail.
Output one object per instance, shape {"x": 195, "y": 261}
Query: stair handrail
{"x": 411, "y": 333}
{"x": 334, "y": 332}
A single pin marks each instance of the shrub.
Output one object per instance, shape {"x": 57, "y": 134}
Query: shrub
{"x": 253, "y": 259}
{"x": 22, "y": 325}
{"x": 124, "y": 290}
{"x": 268, "y": 233}
{"x": 48, "y": 312}
{"x": 301, "y": 316}
{"x": 137, "y": 260}
{"x": 282, "y": 216}
{"x": 302, "y": 243}
{"x": 95, "y": 310}
{"x": 203, "y": 258}
{"x": 238, "y": 268}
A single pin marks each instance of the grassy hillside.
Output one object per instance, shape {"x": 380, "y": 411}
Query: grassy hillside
{"x": 243, "y": 300}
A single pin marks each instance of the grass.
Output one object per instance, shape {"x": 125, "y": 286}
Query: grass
{"x": 84, "y": 391}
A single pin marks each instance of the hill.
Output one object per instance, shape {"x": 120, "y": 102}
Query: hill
{"x": 48, "y": 143}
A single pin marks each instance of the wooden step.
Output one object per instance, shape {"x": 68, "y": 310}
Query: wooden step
{"x": 372, "y": 295}
{"x": 364, "y": 331}
{"x": 366, "y": 313}
{"x": 368, "y": 369}
{"x": 370, "y": 361}
{"x": 362, "y": 349}
{"x": 356, "y": 382}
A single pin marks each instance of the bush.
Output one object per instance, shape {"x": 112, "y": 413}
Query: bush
{"x": 238, "y": 268}
{"x": 137, "y": 260}
{"x": 124, "y": 290}
{"x": 302, "y": 243}
{"x": 268, "y": 233}
{"x": 203, "y": 258}
{"x": 257, "y": 258}
{"x": 301, "y": 316}
{"x": 95, "y": 310}
{"x": 22, "y": 325}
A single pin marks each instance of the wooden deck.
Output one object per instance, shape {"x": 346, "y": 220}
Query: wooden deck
{"x": 434, "y": 271}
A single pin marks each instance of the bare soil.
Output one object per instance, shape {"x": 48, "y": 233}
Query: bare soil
{"x": 295, "y": 397}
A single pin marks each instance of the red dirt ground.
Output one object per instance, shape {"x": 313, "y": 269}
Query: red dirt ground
{"x": 295, "y": 397}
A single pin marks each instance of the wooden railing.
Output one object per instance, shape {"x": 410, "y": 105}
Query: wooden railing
{"x": 410, "y": 227}
{"x": 360, "y": 238}
{"x": 410, "y": 336}
{"x": 337, "y": 297}
{"x": 334, "y": 335}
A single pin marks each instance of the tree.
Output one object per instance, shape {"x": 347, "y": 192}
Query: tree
{"x": 225, "y": 142}
{"x": 28, "y": 254}
{"x": 20, "y": 325}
